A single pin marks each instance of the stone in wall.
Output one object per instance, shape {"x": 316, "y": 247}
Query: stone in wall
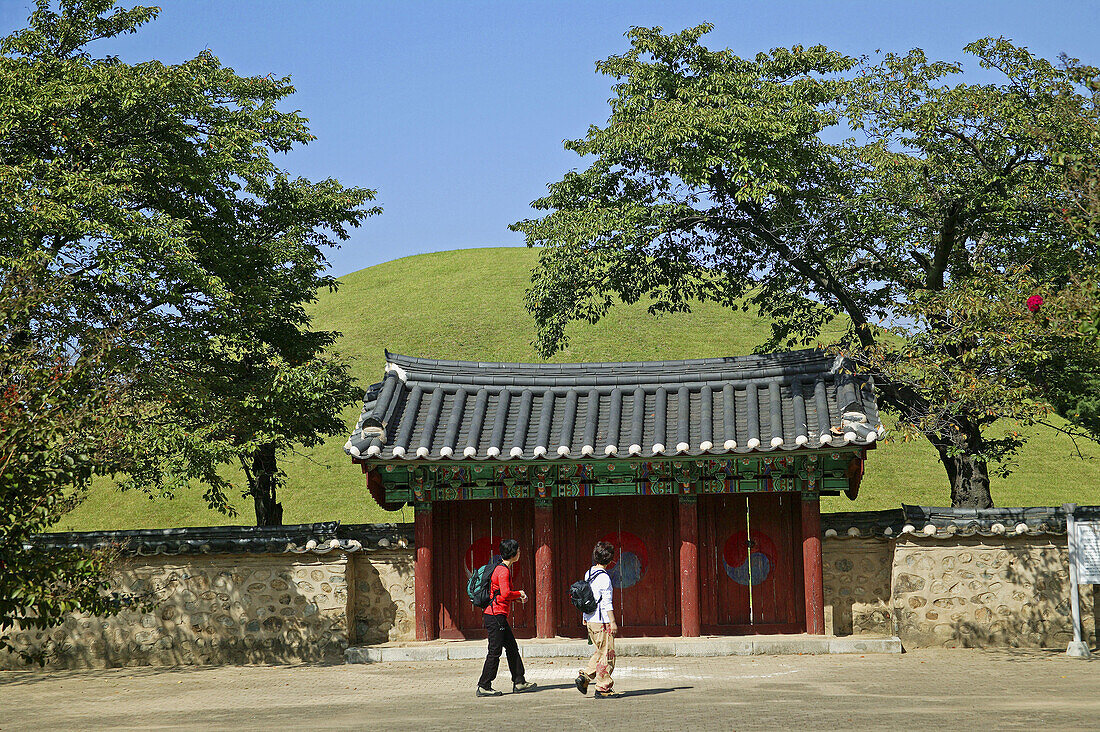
{"x": 210, "y": 609}
{"x": 383, "y": 596}
{"x": 986, "y": 592}
{"x": 857, "y": 585}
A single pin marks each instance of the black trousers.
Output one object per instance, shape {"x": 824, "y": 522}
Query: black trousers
{"x": 500, "y": 637}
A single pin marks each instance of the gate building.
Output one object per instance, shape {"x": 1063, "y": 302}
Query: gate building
{"x": 705, "y": 474}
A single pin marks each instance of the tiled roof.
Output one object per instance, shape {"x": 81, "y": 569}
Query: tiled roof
{"x": 914, "y": 522}
{"x": 926, "y": 522}
{"x": 319, "y": 538}
{"x": 459, "y": 410}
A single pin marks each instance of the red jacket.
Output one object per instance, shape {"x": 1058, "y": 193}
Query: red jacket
{"x": 500, "y": 588}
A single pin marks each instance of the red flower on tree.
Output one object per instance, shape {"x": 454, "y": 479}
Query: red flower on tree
{"x": 1034, "y": 302}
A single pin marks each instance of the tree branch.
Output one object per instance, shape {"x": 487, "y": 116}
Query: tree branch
{"x": 1072, "y": 434}
{"x": 966, "y": 141}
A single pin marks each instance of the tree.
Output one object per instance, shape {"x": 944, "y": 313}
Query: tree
{"x": 1070, "y": 380}
{"x": 57, "y": 415}
{"x": 724, "y": 179}
{"x": 153, "y": 189}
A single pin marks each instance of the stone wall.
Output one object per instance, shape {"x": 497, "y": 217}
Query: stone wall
{"x": 383, "y": 598}
{"x": 240, "y": 608}
{"x": 954, "y": 591}
{"x": 210, "y": 610}
{"x": 293, "y": 603}
{"x": 986, "y": 592}
{"x": 857, "y": 586}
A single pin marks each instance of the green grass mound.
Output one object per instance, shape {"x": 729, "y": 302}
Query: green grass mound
{"x": 468, "y": 304}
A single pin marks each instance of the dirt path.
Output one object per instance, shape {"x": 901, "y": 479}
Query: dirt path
{"x": 956, "y": 689}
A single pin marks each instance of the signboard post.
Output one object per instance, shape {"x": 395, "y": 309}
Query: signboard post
{"x": 1084, "y": 566}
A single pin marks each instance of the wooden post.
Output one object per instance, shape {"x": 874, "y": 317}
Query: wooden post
{"x": 811, "y": 565}
{"x": 423, "y": 580}
{"x": 545, "y": 625}
{"x": 689, "y": 567}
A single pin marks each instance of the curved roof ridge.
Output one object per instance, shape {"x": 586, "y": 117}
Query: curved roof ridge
{"x": 802, "y": 356}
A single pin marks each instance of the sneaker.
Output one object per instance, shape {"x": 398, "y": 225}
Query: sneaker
{"x": 488, "y": 692}
{"x": 523, "y": 686}
{"x": 582, "y": 682}
{"x": 609, "y": 694}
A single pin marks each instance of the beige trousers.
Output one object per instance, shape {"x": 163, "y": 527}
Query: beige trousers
{"x": 602, "y": 662}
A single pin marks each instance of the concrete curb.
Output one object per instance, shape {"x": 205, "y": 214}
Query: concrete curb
{"x": 650, "y": 647}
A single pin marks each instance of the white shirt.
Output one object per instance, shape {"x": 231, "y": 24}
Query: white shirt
{"x": 600, "y": 582}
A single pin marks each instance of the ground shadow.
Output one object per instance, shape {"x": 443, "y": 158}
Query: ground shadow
{"x": 36, "y": 674}
{"x": 1012, "y": 654}
{"x": 549, "y": 687}
{"x": 648, "y": 692}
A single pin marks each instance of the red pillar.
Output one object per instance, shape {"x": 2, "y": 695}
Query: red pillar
{"x": 689, "y": 567}
{"x": 811, "y": 565}
{"x": 545, "y": 625}
{"x": 424, "y": 586}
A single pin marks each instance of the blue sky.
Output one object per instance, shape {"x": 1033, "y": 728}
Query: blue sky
{"x": 455, "y": 111}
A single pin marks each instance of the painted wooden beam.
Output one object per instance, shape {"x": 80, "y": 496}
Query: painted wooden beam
{"x": 827, "y": 472}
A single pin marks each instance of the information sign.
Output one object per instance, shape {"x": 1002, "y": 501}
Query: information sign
{"x": 1087, "y": 551}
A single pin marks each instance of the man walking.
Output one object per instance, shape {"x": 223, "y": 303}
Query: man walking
{"x": 601, "y": 625}
{"x": 496, "y": 622}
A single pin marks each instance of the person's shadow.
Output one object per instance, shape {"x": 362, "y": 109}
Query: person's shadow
{"x": 647, "y": 692}
{"x": 632, "y": 692}
{"x": 549, "y": 687}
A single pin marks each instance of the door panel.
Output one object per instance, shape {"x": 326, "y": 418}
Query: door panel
{"x": 750, "y": 565}
{"x": 722, "y": 560}
{"x": 644, "y": 573}
{"x": 467, "y": 534}
{"x": 774, "y": 592}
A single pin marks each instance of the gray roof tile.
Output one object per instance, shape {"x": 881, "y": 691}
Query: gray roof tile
{"x": 928, "y": 522}
{"x": 318, "y": 538}
{"x": 458, "y": 410}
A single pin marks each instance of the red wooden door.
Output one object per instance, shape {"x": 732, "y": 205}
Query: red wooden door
{"x": 724, "y": 601}
{"x": 777, "y": 596}
{"x": 750, "y": 563}
{"x": 467, "y": 534}
{"x": 644, "y": 573}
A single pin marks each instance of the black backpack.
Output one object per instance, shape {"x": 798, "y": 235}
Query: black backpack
{"x": 477, "y": 587}
{"x": 580, "y": 593}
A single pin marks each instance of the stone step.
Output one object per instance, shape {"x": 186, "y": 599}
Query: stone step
{"x": 773, "y": 645}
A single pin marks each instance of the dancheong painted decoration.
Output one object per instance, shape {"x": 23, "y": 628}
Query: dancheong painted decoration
{"x": 705, "y": 474}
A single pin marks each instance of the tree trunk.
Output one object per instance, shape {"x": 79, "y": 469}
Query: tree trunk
{"x": 969, "y": 479}
{"x": 265, "y": 482}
